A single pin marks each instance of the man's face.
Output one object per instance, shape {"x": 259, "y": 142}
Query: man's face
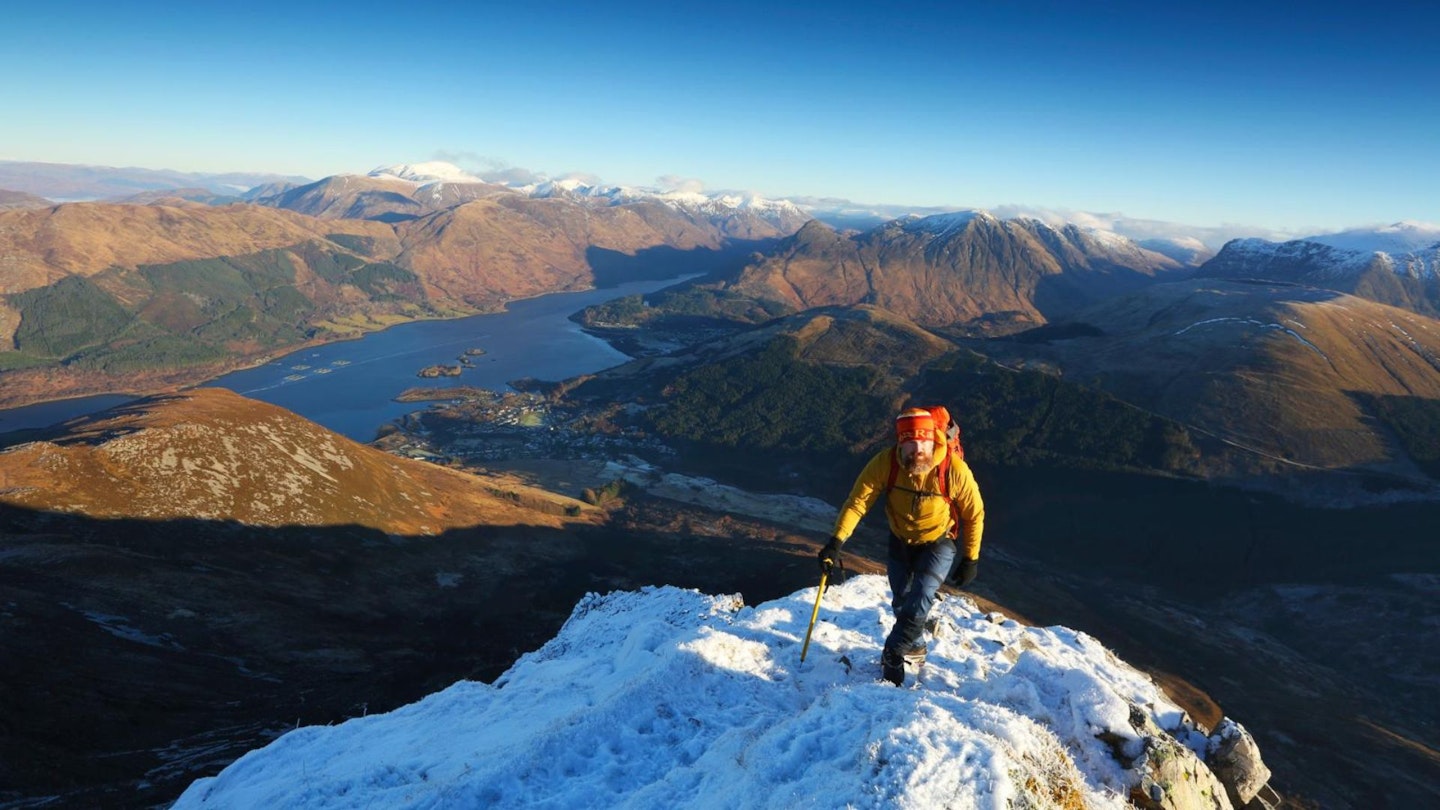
{"x": 917, "y": 456}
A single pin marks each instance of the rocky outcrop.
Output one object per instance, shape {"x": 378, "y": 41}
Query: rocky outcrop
{"x": 1165, "y": 773}
{"x": 1170, "y": 775}
{"x": 1234, "y": 757}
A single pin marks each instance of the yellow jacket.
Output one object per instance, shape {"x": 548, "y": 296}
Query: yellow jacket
{"x": 917, "y": 514}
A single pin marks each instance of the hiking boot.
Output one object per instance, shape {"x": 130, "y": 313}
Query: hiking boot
{"x": 892, "y": 667}
{"x": 915, "y": 655}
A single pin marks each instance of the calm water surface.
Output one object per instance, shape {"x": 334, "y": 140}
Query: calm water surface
{"x": 350, "y": 386}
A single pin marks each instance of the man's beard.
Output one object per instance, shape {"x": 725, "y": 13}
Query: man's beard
{"x": 918, "y": 462}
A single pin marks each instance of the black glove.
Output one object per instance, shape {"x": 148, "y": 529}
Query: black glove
{"x": 829, "y": 555}
{"x": 962, "y": 573}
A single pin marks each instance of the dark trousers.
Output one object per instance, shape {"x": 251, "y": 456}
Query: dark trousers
{"x": 915, "y": 572}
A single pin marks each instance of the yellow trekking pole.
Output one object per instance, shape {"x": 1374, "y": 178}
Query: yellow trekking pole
{"x": 824, "y": 577}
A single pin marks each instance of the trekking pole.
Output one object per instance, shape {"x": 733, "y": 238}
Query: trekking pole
{"x": 814, "y": 614}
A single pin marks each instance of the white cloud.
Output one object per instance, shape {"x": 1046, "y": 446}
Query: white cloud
{"x": 673, "y": 182}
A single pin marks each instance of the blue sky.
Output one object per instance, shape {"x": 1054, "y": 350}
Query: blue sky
{"x": 1292, "y": 117}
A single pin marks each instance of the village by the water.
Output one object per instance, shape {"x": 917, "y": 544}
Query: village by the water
{"x": 472, "y": 425}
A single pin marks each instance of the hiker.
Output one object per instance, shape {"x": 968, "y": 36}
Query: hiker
{"x": 932, "y": 502}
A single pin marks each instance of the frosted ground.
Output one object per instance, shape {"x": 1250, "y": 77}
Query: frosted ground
{"x": 668, "y": 697}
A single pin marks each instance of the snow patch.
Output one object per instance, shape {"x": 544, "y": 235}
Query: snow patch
{"x": 1261, "y": 324}
{"x": 427, "y": 172}
{"x": 121, "y": 628}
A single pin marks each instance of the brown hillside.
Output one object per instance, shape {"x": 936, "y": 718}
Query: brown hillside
{"x": 1277, "y": 368}
{"x": 11, "y": 200}
{"x": 488, "y": 251}
{"x": 213, "y": 454}
{"x": 850, "y": 336}
{"x": 41, "y": 247}
{"x": 817, "y": 267}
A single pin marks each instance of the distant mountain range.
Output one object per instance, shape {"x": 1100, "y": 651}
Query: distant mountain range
{"x": 12, "y": 200}
{"x": 403, "y": 192}
{"x": 139, "y": 297}
{"x": 105, "y": 296}
{"x": 1186, "y": 243}
{"x": 64, "y": 182}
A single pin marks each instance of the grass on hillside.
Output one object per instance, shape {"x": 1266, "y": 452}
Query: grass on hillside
{"x": 1415, "y": 421}
{"x": 14, "y": 361}
{"x": 684, "y": 304}
{"x": 195, "y": 312}
{"x": 772, "y": 399}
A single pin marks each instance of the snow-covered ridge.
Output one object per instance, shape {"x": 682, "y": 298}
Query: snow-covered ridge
{"x": 573, "y": 188}
{"x": 941, "y": 224}
{"x": 688, "y": 200}
{"x": 1406, "y": 248}
{"x": 670, "y": 698}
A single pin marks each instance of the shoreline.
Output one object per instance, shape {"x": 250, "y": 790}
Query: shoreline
{"x": 178, "y": 381}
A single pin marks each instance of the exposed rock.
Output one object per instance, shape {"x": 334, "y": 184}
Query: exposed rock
{"x": 1235, "y": 758}
{"x": 1167, "y": 773}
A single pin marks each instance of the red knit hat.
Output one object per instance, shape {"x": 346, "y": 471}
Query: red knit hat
{"x": 915, "y": 424}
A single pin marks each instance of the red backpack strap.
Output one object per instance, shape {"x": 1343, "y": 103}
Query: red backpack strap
{"x": 945, "y": 469}
{"x": 945, "y": 474}
{"x": 894, "y": 469}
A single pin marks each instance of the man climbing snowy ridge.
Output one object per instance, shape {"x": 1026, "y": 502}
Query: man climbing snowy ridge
{"x": 931, "y": 499}
{"x": 667, "y": 697}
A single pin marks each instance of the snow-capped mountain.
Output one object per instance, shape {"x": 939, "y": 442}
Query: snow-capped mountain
{"x": 1289, "y": 261}
{"x": 670, "y": 698}
{"x": 709, "y": 205}
{"x": 1401, "y": 237}
{"x": 410, "y": 190}
{"x": 577, "y": 189}
{"x": 1409, "y": 248}
{"x": 434, "y": 171}
{"x": 1397, "y": 265}
{"x": 1072, "y": 245}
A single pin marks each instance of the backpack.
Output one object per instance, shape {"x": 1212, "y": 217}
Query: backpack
{"x": 947, "y": 428}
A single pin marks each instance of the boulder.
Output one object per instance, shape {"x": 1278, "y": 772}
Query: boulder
{"x": 1235, "y": 758}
